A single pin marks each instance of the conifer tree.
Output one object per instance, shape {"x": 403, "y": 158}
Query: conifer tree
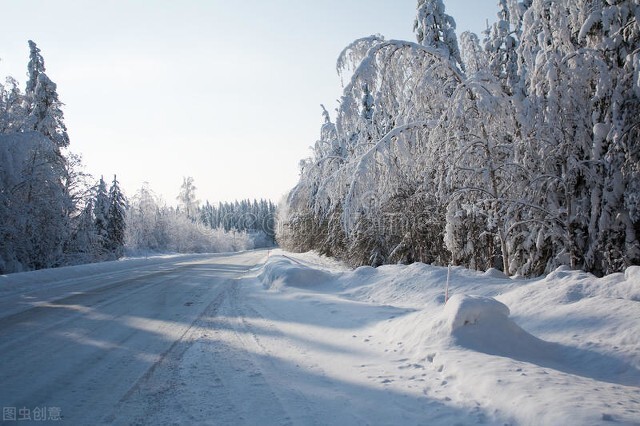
{"x": 101, "y": 211}
{"x": 46, "y": 114}
{"x": 500, "y": 46}
{"x": 35, "y": 67}
{"x": 116, "y": 223}
{"x": 44, "y": 108}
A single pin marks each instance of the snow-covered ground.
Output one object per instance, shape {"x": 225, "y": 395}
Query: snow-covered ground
{"x": 268, "y": 337}
{"x": 563, "y": 349}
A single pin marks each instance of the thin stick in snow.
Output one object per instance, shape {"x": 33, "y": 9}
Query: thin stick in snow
{"x": 446, "y": 289}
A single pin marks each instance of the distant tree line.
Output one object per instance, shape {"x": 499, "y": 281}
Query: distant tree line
{"x": 244, "y": 216}
{"x": 152, "y": 226}
{"x": 520, "y": 151}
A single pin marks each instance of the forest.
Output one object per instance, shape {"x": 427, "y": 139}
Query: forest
{"x": 518, "y": 149}
{"x": 53, "y": 213}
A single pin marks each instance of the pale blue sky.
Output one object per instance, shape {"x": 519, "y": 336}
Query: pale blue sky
{"x": 227, "y": 92}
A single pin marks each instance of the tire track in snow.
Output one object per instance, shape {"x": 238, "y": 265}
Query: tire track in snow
{"x": 149, "y": 395}
{"x": 293, "y": 402}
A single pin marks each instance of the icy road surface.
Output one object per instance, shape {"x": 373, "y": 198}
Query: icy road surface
{"x": 122, "y": 343}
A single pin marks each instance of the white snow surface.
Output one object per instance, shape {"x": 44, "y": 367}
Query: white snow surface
{"x": 562, "y": 349}
{"x": 270, "y": 337}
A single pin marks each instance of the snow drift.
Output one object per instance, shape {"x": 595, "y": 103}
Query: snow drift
{"x": 281, "y": 272}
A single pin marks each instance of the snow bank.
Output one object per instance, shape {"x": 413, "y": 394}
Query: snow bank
{"x": 552, "y": 350}
{"x": 571, "y": 286}
{"x": 281, "y": 271}
{"x": 419, "y": 286}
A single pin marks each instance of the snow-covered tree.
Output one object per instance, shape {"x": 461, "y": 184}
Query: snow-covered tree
{"x": 35, "y": 67}
{"x": 569, "y": 64}
{"x": 610, "y": 32}
{"x": 527, "y": 161}
{"x": 116, "y": 223}
{"x": 46, "y": 114}
{"x": 101, "y": 210}
{"x": 47, "y": 211}
{"x": 500, "y": 47}
{"x": 85, "y": 245}
{"x": 35, "y": 225}
{"x": 473, "y": 57}
{"x": 384, "y": 127}
{"x": 12, "y": 110}
{"x": 146, "y": 229}
{"x": 45, "y": 109}
{"x": 151, "y": 226}
{"x": 476, "y": 172}
{"x": 436, "y": 29}
{"x": 187, "y": 197}
{"x": 517, "y": 10}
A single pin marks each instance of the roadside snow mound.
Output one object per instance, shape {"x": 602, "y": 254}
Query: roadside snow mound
{"x": 472, "y": 322}
{"x": 494, "y": 273}
{"x": 462, "y": 310}
{"x": 280, "y": 272}
{"x": 483, "y": 324}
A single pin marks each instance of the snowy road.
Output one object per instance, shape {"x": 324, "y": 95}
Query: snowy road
{"x": 224, "y": 339}
{"x": 91, "y": 346}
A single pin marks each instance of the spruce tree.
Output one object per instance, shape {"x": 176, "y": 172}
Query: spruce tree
{"x": 500, "y": 47}
{"x": 101, "y": 211}
{"x": 44, "y": 108}
{"x": 116, "y": 222}
{"x": 35, "y": 67}
{"x": 46, "y": 114}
